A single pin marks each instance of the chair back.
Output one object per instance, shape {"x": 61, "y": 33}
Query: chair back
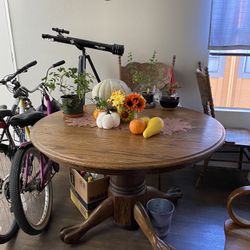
{"x": 157, "y": 72}
{"x": 205, "y": 90}
{"x": 237, "y": 229}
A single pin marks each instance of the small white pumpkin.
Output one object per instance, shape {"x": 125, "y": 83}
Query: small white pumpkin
{"x": 116, "y": 119}
{"x": 108, "y": 120}
{"x": 99, "y": 119}
{"x": 105, "y": 88}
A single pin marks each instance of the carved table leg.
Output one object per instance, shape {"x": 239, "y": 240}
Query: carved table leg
{"x": 126, "y": 190}
{"x": 143, "y": 221}
{"x": 173, "y": 194}
{"x": 101, "y": 213}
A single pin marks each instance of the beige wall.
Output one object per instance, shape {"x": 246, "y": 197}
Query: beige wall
{"x": 6, "y": 63}
{"x": 168, "y": 26}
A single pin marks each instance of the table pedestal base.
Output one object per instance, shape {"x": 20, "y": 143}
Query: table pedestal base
{"x": 127, "y": 196}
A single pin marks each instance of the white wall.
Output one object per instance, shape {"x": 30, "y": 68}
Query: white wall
{"x": 233, "y": 118}
{"x": 168, "y": 26}
{"x": 6, "y": 62}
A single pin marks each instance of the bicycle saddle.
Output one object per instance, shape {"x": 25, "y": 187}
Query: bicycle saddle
{"x": 4, "y": 113}
{"x": 26, "y": 119}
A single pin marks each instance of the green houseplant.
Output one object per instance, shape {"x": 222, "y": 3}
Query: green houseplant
{"x": 73, "y": 87}
{"x": 147, "y": 77}
{"x": 144, "y": 76}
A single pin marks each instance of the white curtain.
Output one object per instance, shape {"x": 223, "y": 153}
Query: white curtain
{"x": 230, "y": 25}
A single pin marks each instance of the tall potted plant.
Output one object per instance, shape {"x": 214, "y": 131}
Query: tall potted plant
{"x": 73, "y": 87}
{"x": 169, "y": 97}
{"x": 147, "y": 78}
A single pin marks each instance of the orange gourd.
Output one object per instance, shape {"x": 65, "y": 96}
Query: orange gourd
{"x": 137, "y": 126}
{"x": 96, "y": 112}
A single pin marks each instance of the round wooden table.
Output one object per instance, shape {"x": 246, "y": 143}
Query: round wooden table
{"x": 126, "y": 158}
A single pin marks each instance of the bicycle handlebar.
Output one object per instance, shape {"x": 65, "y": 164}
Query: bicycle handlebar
{"x": 41, "y": 84}
{"x": 58, "y": 64}
{"x": 115, "y": 49}
{"x": 27, "y": 66}
{"x": 19, "y": 71}
{"x": 33, "y": 90}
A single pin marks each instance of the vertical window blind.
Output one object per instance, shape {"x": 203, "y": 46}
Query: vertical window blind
{"x": 230, "y": 25}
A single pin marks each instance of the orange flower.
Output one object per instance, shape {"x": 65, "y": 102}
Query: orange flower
{"x": 135, "y": 101}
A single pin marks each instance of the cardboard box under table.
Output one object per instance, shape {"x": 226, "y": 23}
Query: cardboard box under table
{"x": 87, "y": 195}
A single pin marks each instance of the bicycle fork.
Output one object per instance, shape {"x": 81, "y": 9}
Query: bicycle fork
{"x": 47, "y": 169}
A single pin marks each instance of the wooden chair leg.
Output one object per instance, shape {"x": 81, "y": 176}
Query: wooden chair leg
{"x": 240, "y": 158}
{"x": 202, "y": 173}
{"x": 159, "y": 181}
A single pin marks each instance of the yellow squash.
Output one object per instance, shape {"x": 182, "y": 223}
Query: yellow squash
{"x": 154, "y": 127}
{"x": 145, "y": 119}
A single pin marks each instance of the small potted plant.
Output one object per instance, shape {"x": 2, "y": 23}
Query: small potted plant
{"x": 73, "y": 87}
{"x": 169, "y": 98}
{"x": 144, "y": 77}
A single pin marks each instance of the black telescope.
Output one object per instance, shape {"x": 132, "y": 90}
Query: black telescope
{"x": 81, "y": 44}
{"x": 115, "y": 49}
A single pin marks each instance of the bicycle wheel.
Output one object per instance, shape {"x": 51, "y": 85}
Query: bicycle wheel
{"x": 31, "y": 204}
{"x": 8, "y": 225}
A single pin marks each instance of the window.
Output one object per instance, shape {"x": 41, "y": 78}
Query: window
{"x": 244, "y": 67}
{"x": 216, "y": 65}
{"x": 229, "y": 59}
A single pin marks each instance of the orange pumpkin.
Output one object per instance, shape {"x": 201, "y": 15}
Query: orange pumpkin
{"x": 137, "y": 126}
{"x": 96, "y": 112}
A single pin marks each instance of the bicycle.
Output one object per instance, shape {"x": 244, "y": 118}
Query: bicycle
{"x": 8, "y": 225}
{"x": 31, "y": 173}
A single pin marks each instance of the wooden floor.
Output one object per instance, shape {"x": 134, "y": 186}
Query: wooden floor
{"x": 197, "y": 223}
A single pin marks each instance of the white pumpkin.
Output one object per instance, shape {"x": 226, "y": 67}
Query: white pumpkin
{"x": 116, "y": 119}
{"x": 108, "y": 120}
{"x": 105, "y": 88}
{"x": 99, "y": 119}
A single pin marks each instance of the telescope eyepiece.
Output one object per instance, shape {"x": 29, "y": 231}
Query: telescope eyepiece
{"x": 60, "y": 31}
{"x": 118, "y": 49}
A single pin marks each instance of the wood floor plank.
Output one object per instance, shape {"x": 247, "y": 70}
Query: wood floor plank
{"x": 197, "y": 222}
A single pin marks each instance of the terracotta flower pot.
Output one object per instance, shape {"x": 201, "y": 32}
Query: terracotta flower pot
{"x": 72, "y": 106}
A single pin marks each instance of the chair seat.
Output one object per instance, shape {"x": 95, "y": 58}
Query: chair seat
{"x": 237, "y": 238}
{"x": 240, "y": 137}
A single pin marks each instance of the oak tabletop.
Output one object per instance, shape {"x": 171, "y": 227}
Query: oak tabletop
{"x": 117, "y": 150}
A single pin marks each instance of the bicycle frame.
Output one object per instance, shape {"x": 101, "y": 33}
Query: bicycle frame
{"x": 45, "y": 164}
{"x": 4, "y": 124}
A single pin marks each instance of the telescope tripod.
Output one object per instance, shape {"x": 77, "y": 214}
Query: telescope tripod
{"x": 82, "y": 63}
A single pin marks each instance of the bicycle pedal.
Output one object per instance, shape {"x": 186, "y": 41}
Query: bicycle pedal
{"x": 56, "y": 167}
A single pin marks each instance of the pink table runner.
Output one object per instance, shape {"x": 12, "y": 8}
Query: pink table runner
{"x": 171, "y": 126}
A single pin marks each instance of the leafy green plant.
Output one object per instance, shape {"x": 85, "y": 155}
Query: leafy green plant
{"x": 103, "y": 105}
{"x": 100, "y": 103}
{"x": 144, "y": 78}
{"x": 69, "y": 82}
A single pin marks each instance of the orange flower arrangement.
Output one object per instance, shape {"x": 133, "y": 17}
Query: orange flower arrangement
{"x": 128, "y": 105}
{"x": 134, "y": 101}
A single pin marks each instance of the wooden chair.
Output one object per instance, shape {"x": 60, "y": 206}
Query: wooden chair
{"x": 237, "y": 229}
{"x": 158, "y": 74}
{"x": 160, "y": 78}
{"x": 238, "y": 138}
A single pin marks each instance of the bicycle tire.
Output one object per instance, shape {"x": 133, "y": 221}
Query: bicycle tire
{"x": 8, "y": 224}
{"x": 22, "y": 207}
